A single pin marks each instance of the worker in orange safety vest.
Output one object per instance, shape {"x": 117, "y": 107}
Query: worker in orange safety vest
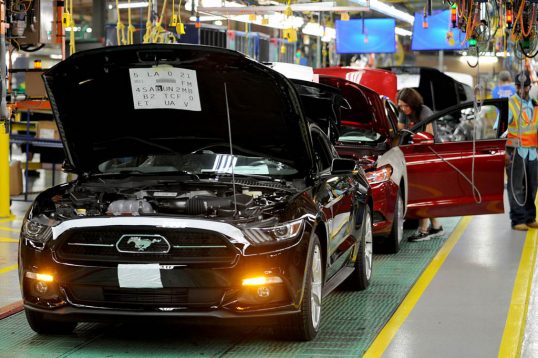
{"x": 521, "y": 164}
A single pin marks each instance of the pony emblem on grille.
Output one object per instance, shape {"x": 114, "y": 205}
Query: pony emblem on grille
{"x": 155, "y": 244}
{"x": 142, "y": 244}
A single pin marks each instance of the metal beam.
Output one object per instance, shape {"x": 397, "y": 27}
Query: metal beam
{"x": 243, "y": 10}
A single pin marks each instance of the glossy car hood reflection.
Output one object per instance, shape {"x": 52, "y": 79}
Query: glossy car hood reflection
{"x": 146, "y": 99}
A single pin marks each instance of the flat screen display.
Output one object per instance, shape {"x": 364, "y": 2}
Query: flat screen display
{"x": 438, "y": 36}
{"x": 366, "y": 36}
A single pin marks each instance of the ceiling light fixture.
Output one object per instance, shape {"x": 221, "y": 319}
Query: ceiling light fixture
{"x": 133, "y": 5}
{"x": 388, "y": 10}
{"x": 402, "y": 32}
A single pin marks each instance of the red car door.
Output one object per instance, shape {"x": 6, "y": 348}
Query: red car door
{"x": 460, "y": 171}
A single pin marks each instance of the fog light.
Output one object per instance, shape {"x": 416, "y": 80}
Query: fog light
{"x": 264, "y": 292}
{"x": 41, "y": 287}
{"x": 262, "y": 280}
{"x": 40, "y": 276}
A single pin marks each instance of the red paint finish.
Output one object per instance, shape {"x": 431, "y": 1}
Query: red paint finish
{"x": 436, "y": 189}
{"x": 384, "y": 195}
{"x": 382, "y": 81}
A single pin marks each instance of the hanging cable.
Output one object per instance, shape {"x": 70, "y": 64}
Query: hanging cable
{"x": 120, "y": 27}
{"x": 158, "y": 29}
{"x": 149, "y": 23}
{"x": 180, "y": 28}
{"x": 130, "y": 28}
{"x": 72, "y": 32}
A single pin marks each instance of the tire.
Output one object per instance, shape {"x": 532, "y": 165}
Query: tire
{"x": 305, "y": 325}
{"x": 360, "y": 278}
{"x": 41, "y": 325}
{"x": 392, "y": 241}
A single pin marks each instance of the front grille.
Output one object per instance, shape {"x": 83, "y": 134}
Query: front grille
{"x": 136, "y": 245}
{"x": 134, "y": 298}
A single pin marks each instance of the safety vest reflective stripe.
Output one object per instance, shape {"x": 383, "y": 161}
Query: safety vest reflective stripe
{"x": 527, "y": 132}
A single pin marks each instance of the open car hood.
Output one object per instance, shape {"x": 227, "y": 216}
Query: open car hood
{"x": 366, "y": 107}
{"x": 122, "y": 101}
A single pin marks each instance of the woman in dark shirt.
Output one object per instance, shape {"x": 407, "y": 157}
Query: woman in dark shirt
{"x": 412, "y": 111}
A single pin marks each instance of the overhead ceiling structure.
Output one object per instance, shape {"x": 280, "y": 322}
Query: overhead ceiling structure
{"x": 402, "y": 10}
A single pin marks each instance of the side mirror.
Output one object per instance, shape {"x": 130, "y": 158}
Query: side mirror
{"x": 422, "y": 138}
{"x": 67, "y": 167}
{"x": 342, "y": 166}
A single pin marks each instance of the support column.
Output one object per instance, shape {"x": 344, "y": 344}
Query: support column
{"x": 99, "y": 15}
{"x": 4, "y": 136}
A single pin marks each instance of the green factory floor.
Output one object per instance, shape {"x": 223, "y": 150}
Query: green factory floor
{"x": 350, "y": 322}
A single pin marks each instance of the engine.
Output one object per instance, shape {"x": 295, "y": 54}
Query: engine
{"x": 99, "y": 199}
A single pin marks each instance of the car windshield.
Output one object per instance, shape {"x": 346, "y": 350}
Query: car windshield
{"x": 359, "y": 135}
{"x": 197, "y": 163}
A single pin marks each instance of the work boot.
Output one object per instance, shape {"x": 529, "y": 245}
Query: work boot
{"x": 520, "y": 227}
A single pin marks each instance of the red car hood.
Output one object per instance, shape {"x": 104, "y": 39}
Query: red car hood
{"x": 367, "y": 107}
{"x": 382, "y": 81}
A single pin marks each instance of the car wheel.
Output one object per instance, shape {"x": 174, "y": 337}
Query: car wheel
{"x": 360, "y": 278}
{"x": 305, "y": 325}
{"x": 41, "y": 325}
{"x": 392, "y": 242}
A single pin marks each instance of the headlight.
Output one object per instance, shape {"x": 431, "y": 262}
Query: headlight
{"x": 380, "y": 175}
{"x": 274, "y": 234}
{"x": 35, "y": 233}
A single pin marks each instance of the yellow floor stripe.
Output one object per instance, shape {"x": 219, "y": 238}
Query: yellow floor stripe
{"x": 3, "y": 228}
{"x": 8, "y": 239}
{"x": 514, "y": 329}
{"x": 10, "y": 218}
{"x": 386, "y": 335}
{"x": 7, "y": 269}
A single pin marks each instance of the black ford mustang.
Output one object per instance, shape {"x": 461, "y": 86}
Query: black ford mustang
{"x": 201, "y": 192}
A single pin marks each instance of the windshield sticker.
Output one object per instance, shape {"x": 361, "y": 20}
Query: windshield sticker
{"x": 165, "y": 87}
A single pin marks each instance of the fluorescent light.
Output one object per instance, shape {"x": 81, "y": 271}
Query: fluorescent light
{"x": 207, "y": 18}
{"x": 389, "y": 10}
{"x": 133, "y": 5}
{"x": 277, "y": 20}
{"x": 402, "y": 32}
{"x": 55, "y": 56}
{"x": 484, "y": 60}
{"x": 330, "y": 34}
{"x": 314, "y": 29}
{"x": 199, "y": 5}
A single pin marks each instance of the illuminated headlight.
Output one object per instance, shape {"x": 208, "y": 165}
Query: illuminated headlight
{"x": 275, "y": 234}
{"x": 380, "y": 175}
{"x": 35, "y": 234}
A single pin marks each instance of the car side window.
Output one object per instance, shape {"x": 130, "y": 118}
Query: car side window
{"x": 321, "y": 151}
{"x": 464, "y": 124}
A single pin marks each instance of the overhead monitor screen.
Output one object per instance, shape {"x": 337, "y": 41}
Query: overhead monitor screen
{"x": 366, "y": 36}
{"x": 439, "y": 35}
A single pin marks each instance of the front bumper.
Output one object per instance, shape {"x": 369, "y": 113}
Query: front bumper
{"x": 85, "y": 290}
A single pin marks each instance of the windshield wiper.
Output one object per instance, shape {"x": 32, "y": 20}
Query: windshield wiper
{"x": 142, "y": 172}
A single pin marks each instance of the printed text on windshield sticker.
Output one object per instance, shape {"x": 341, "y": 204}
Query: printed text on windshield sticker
{"x": 165, "y": 87}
